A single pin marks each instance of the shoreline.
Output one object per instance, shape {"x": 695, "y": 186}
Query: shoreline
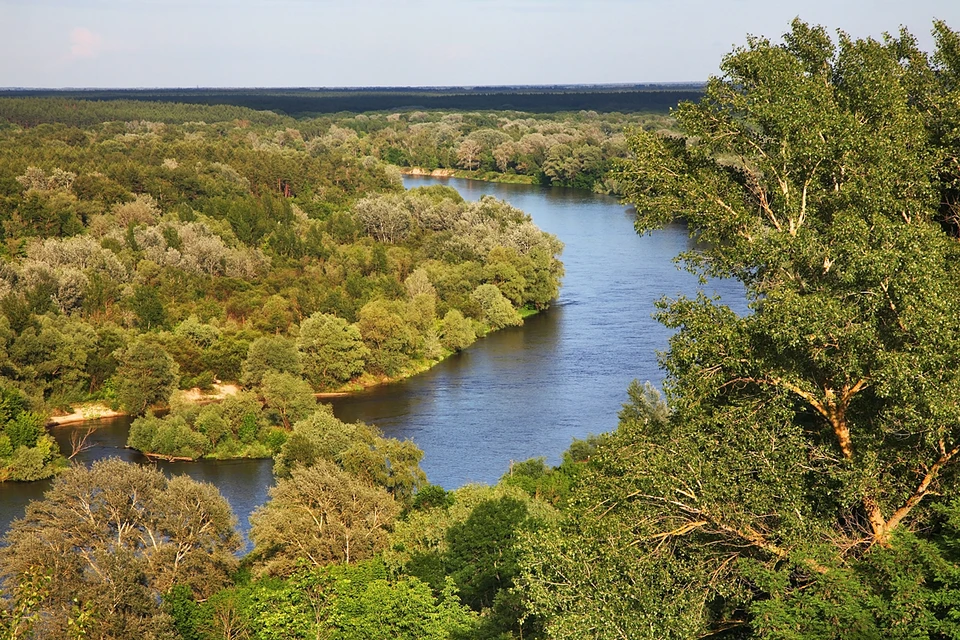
{"x": 85, "y": 413}
{"x": 481, "y": 176}
{"x": 96, "y": 410}
{"x": 92, "y": 411}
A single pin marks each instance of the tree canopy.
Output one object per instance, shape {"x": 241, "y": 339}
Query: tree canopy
{"x": 110, "y": 540}
{"x": 808, "y": 447}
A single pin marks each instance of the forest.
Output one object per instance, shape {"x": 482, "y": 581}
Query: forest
{"x": 142, "y": 258}
{"x": 794, "y": 479}
{"x": 304, "y": 102}
{"x": 570, "y": 149}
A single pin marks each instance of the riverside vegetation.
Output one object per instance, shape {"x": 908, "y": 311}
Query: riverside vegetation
{"x": 142, "y": 258}
{"x": 798, "y": 481}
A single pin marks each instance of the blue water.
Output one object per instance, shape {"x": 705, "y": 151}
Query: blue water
{"x": 519, "y": 393}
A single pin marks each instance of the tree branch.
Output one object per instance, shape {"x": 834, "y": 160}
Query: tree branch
{"x": 921, "y": 490}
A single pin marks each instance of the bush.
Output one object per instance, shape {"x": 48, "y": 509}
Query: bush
{"x": 456, "y": 332}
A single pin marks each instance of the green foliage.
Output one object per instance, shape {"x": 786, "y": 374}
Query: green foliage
{"x": 456, "y": 332}
{"x": 244, "y": 237}
{"x": 27, "y": 452}
{"x": 552, "y": 485}
{"x": 481, "y": 556}
{"x": 21, "y": 612}
{"x": 239, "y": 426}
{"x": 34, "y": 463}
{"x": 331, "y": 350}
{"x": 321, "y": 515}
{"x": 388, "y": 337}
{"x": 174, "y": 437}
{"x": 289, "y": 396}
{"x": 469, "y": 538}
{"x": 794, "y": 484}
{"x": 496, "y": 309}
{"x": 343, "y": 601}
{"x": 357, "y": 448}
{"x": 145, "y": 376}
{"x": 180, "y": 605}
{"x": 148, "y": 308}
{"x": 368, "y": 605}
{"x": 430, "y": 497}
{"x": 24, "y": 429}
{"x": 112, "y": 539}
{"x": 270, "y": 353}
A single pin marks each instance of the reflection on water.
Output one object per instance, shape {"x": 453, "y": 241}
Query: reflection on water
{"x": 518, "y": 393}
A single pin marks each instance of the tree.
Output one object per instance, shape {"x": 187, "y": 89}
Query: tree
{"x": 27, "y": 451}
{"x": 146, "y": 375}
{"x": 384, "y": 217}
{"x": 387, "y": 335}
{"x": 807, "y": 440}
{"x": 497, "y": 310}
{"x": 456, "y": 332}
{"x": 113, "y": 538}
{"x": 270, "y": 353}
{"x": 331, "y": 350}
{"x": 468, "y": 154}
{"x": 146, "y": 304}
{"x": 170, "y": 436}
{"x": 370, "y": 606}
{"x": 418, "y": 283}
{"x": 481, "y": 556}
{"x": 290, "y": 396}
{"x": 470, "y": 537}
{"x": 323, "y": 515}
{"x": 357, "y": 448}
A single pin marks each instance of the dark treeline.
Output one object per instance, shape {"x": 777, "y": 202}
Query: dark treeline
{"x": 304, "y": 102}
{"x": 80, "y": 112}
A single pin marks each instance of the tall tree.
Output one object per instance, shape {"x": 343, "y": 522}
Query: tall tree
{"x": 809, "y": 438}
{"x": 323, "y": 515}
{"x": 146, "y": 375}
{"x": 331, "y": 350}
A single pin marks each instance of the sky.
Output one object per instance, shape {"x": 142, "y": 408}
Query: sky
{"x": 335, "y": 43}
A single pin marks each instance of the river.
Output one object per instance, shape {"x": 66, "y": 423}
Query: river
{"x": 519, "y": 393}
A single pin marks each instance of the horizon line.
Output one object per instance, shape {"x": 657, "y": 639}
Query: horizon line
{"x": 463, "y": 87}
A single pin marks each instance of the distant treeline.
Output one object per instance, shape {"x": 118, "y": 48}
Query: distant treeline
{"x": 301, "y": 101}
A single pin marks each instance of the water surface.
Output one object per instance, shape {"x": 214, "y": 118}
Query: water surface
{"x": 529, "y": 391}
{"x": 519, "y": 393}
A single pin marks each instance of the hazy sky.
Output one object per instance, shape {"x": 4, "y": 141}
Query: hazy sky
{"x": 246, "y": 43}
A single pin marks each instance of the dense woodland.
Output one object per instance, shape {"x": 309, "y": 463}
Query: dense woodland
{"x": 562, "y": 150}
{"x": 571, "y": 149}
{"x": 796, "y": 481}
{"x": 142, "y": 257}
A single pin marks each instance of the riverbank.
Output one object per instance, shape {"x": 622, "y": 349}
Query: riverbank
{"x": 483, "y": 176}
{"x": 93, "y": 411}
{"x": 90, "y": 411}
{"x": 369, "y": 381}
{"x": 494, "y": 177}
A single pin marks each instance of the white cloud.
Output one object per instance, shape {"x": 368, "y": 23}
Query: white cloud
{"x": 84, "y": 43}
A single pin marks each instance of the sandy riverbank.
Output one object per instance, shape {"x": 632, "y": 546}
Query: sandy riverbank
{"x": 433, "y": 173}
{"x": 90, "y": 411}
